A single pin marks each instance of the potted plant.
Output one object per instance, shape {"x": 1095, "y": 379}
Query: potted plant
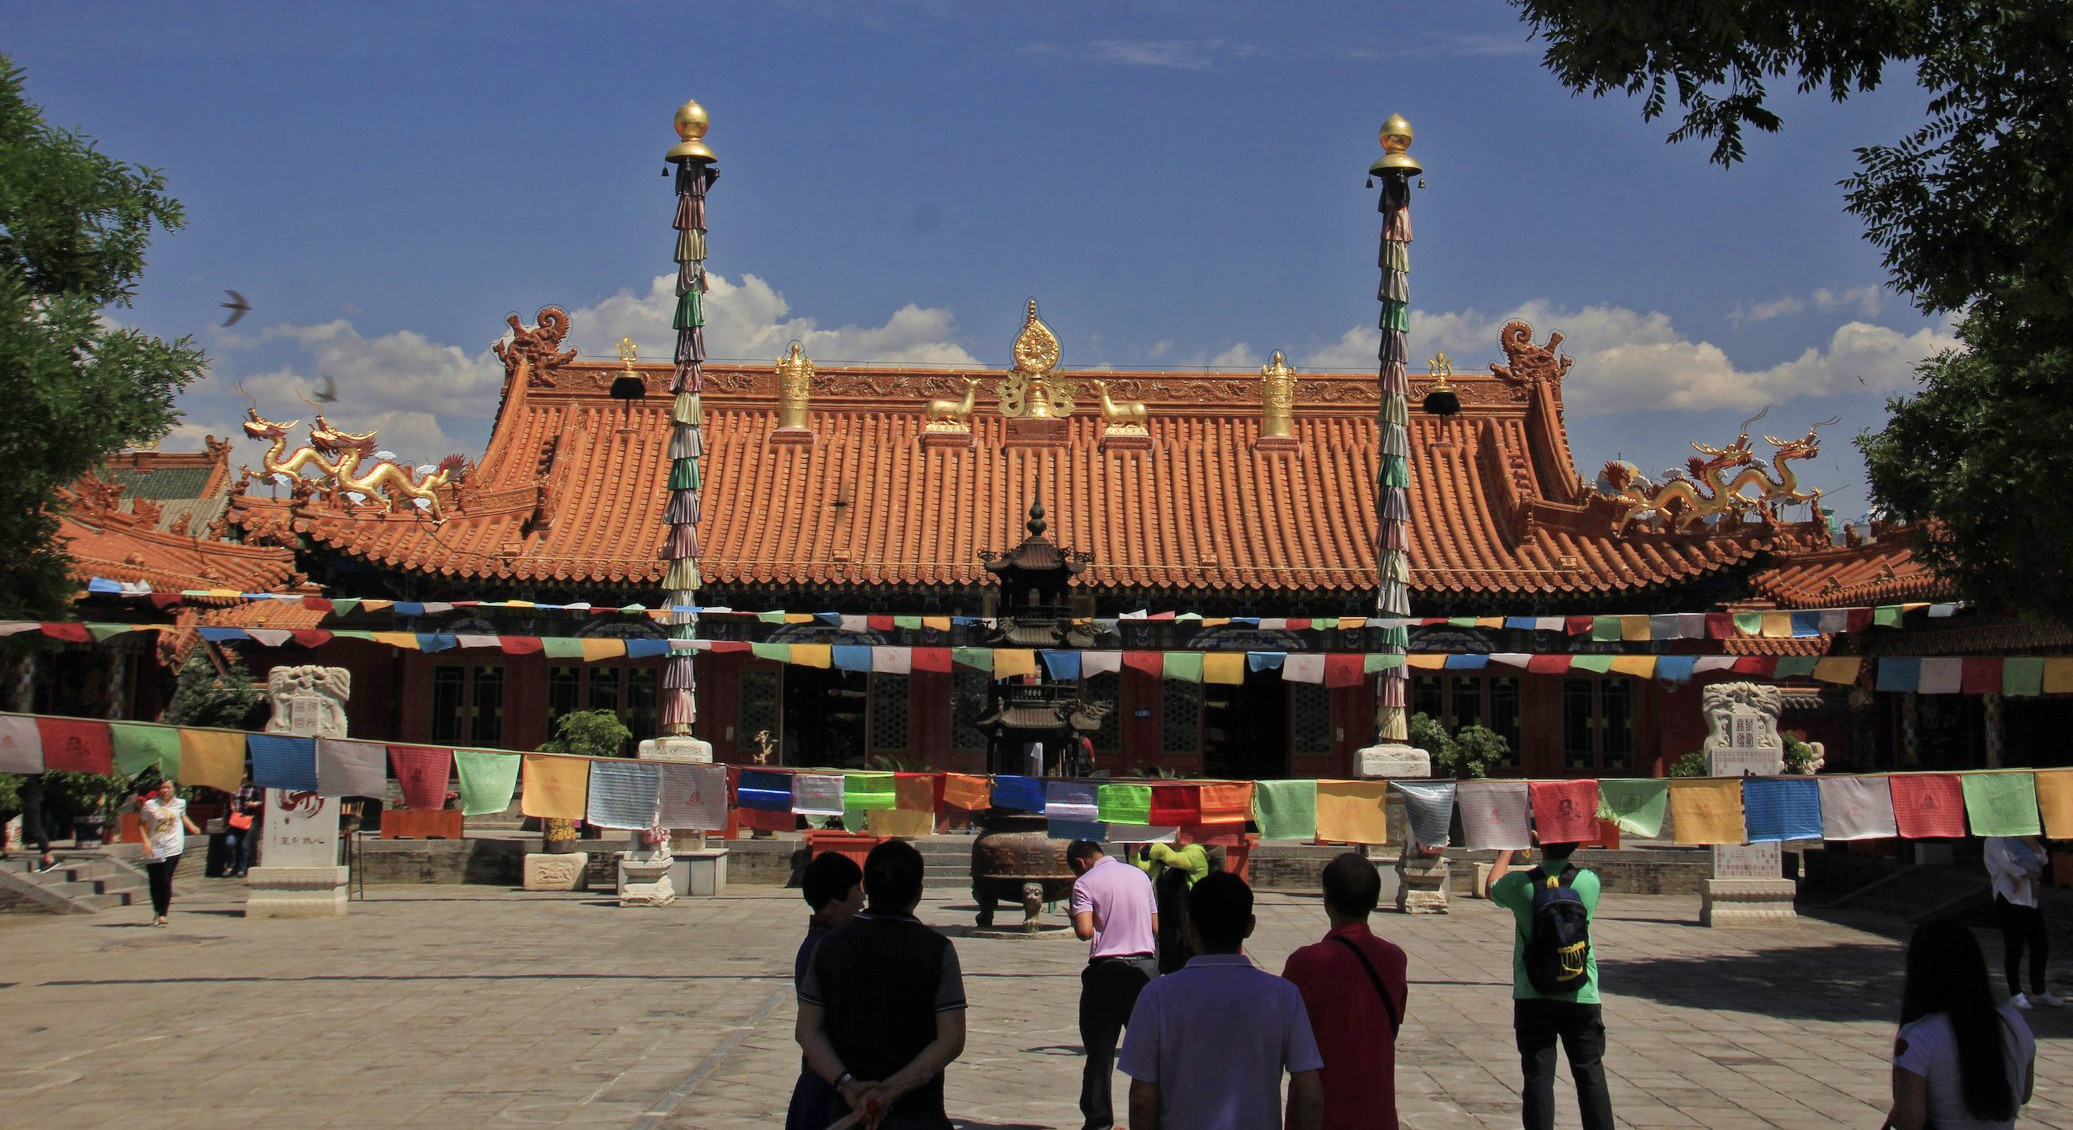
{"x": 91, "y": 800}
{"x": 586, "y": 733}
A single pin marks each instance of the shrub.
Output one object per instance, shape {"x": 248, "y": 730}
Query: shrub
{"x": 1693, "y": 764}
{"x": 588, "y": 733}
{"x": 203, "y": 696}
{"x": 1476, "y": 748}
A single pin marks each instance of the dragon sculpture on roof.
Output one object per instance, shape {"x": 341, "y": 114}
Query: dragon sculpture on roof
{"x": 336, "y": 455}
{"x": 1713, "y": 485}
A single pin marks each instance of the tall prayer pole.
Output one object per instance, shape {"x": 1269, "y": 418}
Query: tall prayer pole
{"x": 1391, "y": 756}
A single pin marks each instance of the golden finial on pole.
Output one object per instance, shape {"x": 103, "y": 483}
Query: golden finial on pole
{"x": 691, "y": 126}
{"x": 1395, "y": 160}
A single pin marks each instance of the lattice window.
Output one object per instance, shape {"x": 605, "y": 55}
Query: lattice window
{"x": 889, "y": 714}
{"x": 1107, "y": 687}
{"x": 970, "y": 698}
{"x": 1309, "y": 719}
{"x": 760, "y": 707}
{"x": 1180, "y": 717}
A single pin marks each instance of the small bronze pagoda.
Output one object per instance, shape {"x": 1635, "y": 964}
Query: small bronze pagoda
{"x": 1035, "y": 612}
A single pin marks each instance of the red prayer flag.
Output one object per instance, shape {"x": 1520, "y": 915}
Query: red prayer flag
{"x": 1547, "y": 665}
{"x": 422, "y": 773}
{"x": 1151, "y": 663}
{"x": 76, "y": 745}
{"x": 1577, "y": 625}
{"x": 935, "y": 659}
{"x": 1176, "y": 804}
{"x": 316, "y": 604}
{"x": 1720, "y": 625}
{"x": 1764, "y": 665}
{"x": 1929, "y": 806}
{"x": 1982, "y": 675}
{"x": 1565, "y": 812}
{"x": 1858, "y": 620}
{"x": 165, "y": 600}
{"x": 1339, "y": 671}
{"x": 879, "y": 623}
{"x": 70, "y": 633}
{"x": 519, "y": 645}
{"x": 1298, "y": 623}
{"x": 731, "y": 647}
{"x": 310, "y": 637}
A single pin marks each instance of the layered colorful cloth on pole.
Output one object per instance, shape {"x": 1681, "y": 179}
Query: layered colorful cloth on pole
{"x": 695, "y": 173}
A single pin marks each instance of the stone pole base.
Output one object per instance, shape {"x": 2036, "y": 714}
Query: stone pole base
{"x": 644, "y": 881}
{"x": 1391, "y": 759}
{"x": 698, "y": 870}
{"x": 555, "y": 870}
{"x": 1422, "y": 883}
{"x": 1421, "y": 880}
{"x": 1748, "y": 902}
{"x": 296, "y": 892}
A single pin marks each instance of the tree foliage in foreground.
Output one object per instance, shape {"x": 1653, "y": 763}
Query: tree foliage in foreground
{"x": 1971, "y": 210}
{"x": 73, "y": 227}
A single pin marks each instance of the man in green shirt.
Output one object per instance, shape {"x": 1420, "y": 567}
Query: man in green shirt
{"x": 1539, "y": 1019}
{"x": 1174, "y": 872}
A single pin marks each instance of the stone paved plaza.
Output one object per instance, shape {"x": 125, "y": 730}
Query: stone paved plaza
{"x": 478, "y": 1006}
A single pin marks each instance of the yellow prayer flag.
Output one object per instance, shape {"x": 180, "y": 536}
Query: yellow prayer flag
{"x": 813, "y": 655}
{"x": 1009, "y": 661}
{"x": 799, "y": 617}
{"x": 376, "y": 604}
{"x": 1706, "y": 811}
{"x": 1635, "y": 629}
{"x": 938, "y": 623}
{"x": 2058, "y": 676}
{"x": 2055, "y": 802}
{"x": 1353, "y": 812}
{"x": 554, "y": 787}
{"x": 1776, "y": 626}
{"x": 900, "y": 822}
{"x": 1838, "y": 669}
{"x": 1352, "y": 623}
{"x": 1425, "y": 661}
{"x": 405, "y": 640}
{"x": 1223, "y": 667}
{"x": 1639, "y": 666}
{"x": 594, "y": 650}
{"x": 213, "y": 758}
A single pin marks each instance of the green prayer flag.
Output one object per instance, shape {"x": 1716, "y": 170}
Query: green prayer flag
{"x": 854, "y": 818}
{"x": 101, "y": 632}
{"x": 771, "y": 617}
{"x": 140, "y": 745}
{"x": 561, "y": 647}
{"x": 1461, "y": 621}
{"x": 867, "y": 792}
{"x": 344, "y": 604}
{"x": 781, "y": 652}
{"x": 2022, "y": 676}
{"x": 1125, "y": 804}
{"x": 1636, "y": 804}
{"x": 1793, "y": 665}
{"x": 2001, "y": 804}
{"x": 1599, "y": 663}
{"x": 1605, "y": 628}
{"x": 343, "y": 634}
{"x": 1325, "y": 622}
{"x": 1886, "y": 616}
{"x": 1285, "y": 810}
{"x": 488, "y": 780}
{"x": 1185, "y": 666}
{"x": 1749, "y": 623}
{"x": 980, "y": 657}
{"x": 1379, "y": 661}
{"x": 907, "y": 623}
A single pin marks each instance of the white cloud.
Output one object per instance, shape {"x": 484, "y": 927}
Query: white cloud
{"x": 752, "y": 320}
{"x": 399, "y": 371}
{"x": 1764, "y": 311}
{"x": 1173, "y": 54}
{"x": 1159, "y": 349}
{"x": 1239, "y": 356}
{"x": 1627, "y": 361}
{"x": 1865, "y": 299}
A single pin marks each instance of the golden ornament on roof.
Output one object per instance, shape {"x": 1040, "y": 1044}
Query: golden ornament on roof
{"x": 794, "y": 387}
{"x": 1277, "y": 397}
{"x": 1027, "y": 390}
{"x": 691, "y": 124}
{"x": 1036, "y": 347}
{"x": 629, "y": 352}
{"x": 1395, "y": 161}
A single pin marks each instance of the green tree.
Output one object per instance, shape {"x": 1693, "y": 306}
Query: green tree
{"x": 73, "y": 226}
{"x": 204, "y": 696}
{"x": 1971, "y": 209}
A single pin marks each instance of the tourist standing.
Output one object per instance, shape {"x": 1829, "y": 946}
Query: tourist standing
{"x": 166, "y": 827}
{"x": 1959, "y": 1061}
{"x": 1112, "y": 909}
{"x": 1208, "y": 1044}
{"x": 1174, "y": 872}
{"x": 1540, "y": 899}
{"x": 241, "y": 825}
{"x": 833, "y": 886}
{"x": 1354, "y": 987}
{"x": 2016, "y": 863}
{"x": 882, "y": 1008}
{"x": 33, "y": 832}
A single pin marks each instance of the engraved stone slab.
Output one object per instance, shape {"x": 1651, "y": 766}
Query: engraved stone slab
{"x": 296, "y": 892}
{"x": 555, "y": 871}
{"x": 1388, "y": 760}
{"x": 1748, "y": 887}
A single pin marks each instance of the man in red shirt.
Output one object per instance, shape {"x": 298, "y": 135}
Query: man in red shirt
{"x": 1353, "y": 985}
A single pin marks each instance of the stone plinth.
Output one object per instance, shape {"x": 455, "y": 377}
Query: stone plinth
{"x": 790, "y": 437}
{"x": 555, "y": 871}
{"x": 959, "y": 440}
{"x": 645, "y": 881}
{"x": 691, "y": 750}
{"x": 1392, "y": 760}
{"x": 296, "y": 892}
{"x": 1748, "y": 902}
{"x": 701, "y": 873}
{"x": 1422, "y": 883}
{"x": 1126, "y": 441}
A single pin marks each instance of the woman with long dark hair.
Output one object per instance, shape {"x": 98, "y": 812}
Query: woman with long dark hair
{"x": 1961, "y": 1062}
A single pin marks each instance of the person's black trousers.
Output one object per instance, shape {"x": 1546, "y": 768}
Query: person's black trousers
{"x": 2021, "y": 926}
{"x": 161, "y": 872}
{"x": 1537, "y": 1024}
{"x": 1108, "y": 991}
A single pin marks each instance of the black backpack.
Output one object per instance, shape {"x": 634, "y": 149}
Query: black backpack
{"x": 1559, "y": 946}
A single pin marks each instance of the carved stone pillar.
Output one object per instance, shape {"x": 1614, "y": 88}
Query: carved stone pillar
{"x": 299, "y": 875}
{"x": 1748, "y": 886}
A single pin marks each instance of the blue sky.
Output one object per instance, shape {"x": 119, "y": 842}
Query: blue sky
{"x": 1179, "y": 184}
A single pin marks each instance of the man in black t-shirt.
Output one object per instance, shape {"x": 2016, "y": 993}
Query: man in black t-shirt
{"x": 882, "y": 1009}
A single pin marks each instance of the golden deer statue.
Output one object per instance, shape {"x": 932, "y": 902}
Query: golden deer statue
{"x": 952, "y": 415}
{"x": 1127, "y": 417}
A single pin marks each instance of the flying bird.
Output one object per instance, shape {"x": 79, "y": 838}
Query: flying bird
{"x": 237, "y": 307}
{"x": 326, "y": 391}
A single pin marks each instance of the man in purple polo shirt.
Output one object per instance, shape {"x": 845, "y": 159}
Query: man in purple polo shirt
{"x": 1208, "y": 1043}
{"x": 1114, "y": 909}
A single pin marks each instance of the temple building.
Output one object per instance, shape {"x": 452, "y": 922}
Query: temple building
{"x": 876, "y": 496}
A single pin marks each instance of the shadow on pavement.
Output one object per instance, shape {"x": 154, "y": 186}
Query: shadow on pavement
{"x": 1854, "y": 981}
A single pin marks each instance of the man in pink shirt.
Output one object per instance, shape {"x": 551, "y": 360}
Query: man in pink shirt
{"x": 1113, "y": 908}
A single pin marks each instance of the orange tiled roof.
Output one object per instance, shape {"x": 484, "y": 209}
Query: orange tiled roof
{"x": 571, "y": 491}
{"x": 138, "y": 539}
{"x": 1881, "y": 572}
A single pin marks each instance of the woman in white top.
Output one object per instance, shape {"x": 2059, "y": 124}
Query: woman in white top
{"x": 166, "y": 827}
{"x": 1960, "y": 1062}
{"x": 2015, "y": 863}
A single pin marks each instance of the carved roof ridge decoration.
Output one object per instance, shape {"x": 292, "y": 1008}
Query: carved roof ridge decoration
{"x": 1526, "y": 363}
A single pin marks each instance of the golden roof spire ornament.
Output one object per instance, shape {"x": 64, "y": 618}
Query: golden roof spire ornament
{"x": 1396, "y": 140}
{"x": 1026, "y": 391}
{"x": 1441, "y": 399}
{"x": 794, "y": 387}
{"x": 629, "y": 352}
{"x": 691, "y": 125}
{"x": 628, "y": 385}
{"x": 1277, "y": 399}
